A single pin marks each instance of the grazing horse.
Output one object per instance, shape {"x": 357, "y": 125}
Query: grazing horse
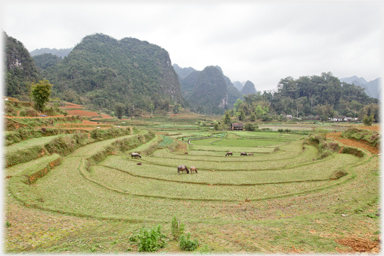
{"x": 229, "y": 154}
{"x": 243, "y": 154}
{"x": 186, "y": 153}
{"x": 250, "y": 154}
{"x": 182, "y": 168}
{"x": 193, "y": 169}
{"x": 135, "y": 155}
{"x": 139, "y": 163}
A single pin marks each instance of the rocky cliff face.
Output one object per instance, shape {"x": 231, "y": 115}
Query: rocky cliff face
{"x": 20, "y": 69}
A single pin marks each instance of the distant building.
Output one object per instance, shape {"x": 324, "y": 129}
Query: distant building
{"x": 237, "y": 126}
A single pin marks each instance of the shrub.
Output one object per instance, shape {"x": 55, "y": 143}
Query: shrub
{"x": 177, "y": 229}
{"x": 337, "y": 174}
{"x": 22, "y": 113}
{"x": 368, "y": 120}
{"x": 186, "y": 244}
{"x": 249, "y": 127}
{"x": 150, "y": 240}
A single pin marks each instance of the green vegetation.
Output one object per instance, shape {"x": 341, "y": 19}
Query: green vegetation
{"x": 238, "y": 198}
{"x": 149, "y": 239}
{"x": 371, "y": 137}
{"x": 20, "y": 69}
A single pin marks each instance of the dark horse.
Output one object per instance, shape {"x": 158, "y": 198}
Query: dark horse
{"x": 182, "y": 168}
{"x": 243, "y": 154}
{"x": 229, "y": 154}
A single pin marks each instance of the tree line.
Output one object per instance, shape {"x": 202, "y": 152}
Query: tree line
{"x": 323, "y": 96}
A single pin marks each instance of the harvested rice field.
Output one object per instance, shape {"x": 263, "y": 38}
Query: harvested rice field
{"x": 286, "y": 195}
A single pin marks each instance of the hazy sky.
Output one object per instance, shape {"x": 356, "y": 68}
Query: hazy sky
{"x": 257, "y": 41}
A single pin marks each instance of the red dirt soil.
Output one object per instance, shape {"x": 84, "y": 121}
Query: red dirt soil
{"x": 82, "y": 113}
{"x": 353, "y": 143}
{"x": 359, "y": 244}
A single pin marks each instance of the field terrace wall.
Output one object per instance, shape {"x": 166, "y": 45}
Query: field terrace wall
{"x": 63, "y": 145}
{"x": 119, "y": 146}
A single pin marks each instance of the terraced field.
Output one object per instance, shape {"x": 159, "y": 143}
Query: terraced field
{"x": 233, "y": 204}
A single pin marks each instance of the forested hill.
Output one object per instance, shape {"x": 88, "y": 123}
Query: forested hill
{"x": 248, "y": 88}
{"x": 322, "y": 95}
{"x": 188, "y": 83}
{"x": 209, "y": 93}
{"x": 20, "y": 69}
{"x": 58, "y": 52}
{"x": 182, "y": 72}
{"x": 102, "y": 71}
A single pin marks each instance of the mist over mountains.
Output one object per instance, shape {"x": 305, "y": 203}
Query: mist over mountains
{"x": 58, "y": 52}
{"x": 371, "y": 88}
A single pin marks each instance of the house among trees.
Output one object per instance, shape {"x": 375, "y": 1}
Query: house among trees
{"x": 289, "y": 117}
{"x": 341, "y": 119}
{"x": 237, "y": 126}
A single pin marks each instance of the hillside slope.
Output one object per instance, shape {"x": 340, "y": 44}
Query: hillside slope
{"x": 101, "y": 71}
{"x": 19, "y": 67}
{"x": 209, "y": 91}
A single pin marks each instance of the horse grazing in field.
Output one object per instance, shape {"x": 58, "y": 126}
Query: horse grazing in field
{"x": 139, "y": 163}
{"x": 186, "y": 153}
{"x": 229, "y": 154}
{"x": 243, "y": 154}
{"x": 193, "y": 169}
{"x": 250, "y": 154}
{"x": 182, "y": 168}
{"x": 134, "y": 155}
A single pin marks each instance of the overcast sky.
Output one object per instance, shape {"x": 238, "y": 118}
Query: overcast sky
{"x": 257, "y": 41}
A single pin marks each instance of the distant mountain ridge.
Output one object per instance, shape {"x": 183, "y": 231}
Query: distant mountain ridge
{"x": 58, "y": 52}
{"x": 182, "y": 72}
{"x": 248, "y": 88}
{"x": 188, "y": 84}
{"x": 209, "y": 91}
{"x": 238, "y": 85}
{"x": 372, "y": 88}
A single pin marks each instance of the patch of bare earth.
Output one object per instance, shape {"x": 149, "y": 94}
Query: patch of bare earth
{"x": 358, "y": 244}
{"x": 353, "y": 143}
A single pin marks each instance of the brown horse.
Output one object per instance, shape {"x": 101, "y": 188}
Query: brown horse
{"x": 243, "y": 154}
{"x": 135, "y": 155}
{"x": 193, "y": 169}
{"x": 250, "y": 154}
{"x": 182, "y": 168}
{"x": 229, "y": 154}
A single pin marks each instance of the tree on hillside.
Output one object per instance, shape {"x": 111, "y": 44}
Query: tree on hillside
{"x": 41, "y": 92}
{"x": 368, "y": 120}
{"x": 119, "y": 109}
{"x": 176, "y": 108}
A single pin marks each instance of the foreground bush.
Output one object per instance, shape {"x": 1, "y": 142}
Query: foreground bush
{"x": 149, "y": 239}
{"x": 186, "y": 244}
{"x": 177, "y": 229}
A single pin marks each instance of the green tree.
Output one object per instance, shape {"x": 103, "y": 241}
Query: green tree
{"x": 368, "y": 120}
{"x": 227, "y": 118}
{"x": 176, "y": 108}
{"x": 253, "y": 117}
{"x": 119, "y": 109}
{"x": 241, "y": 115}
{"x": 41, "y": 92}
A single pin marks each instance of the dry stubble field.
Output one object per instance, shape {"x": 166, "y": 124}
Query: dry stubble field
{"x": 280, "y": 200}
